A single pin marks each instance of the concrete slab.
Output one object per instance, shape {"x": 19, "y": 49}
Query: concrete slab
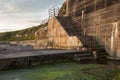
{"x": 18, "y": 54}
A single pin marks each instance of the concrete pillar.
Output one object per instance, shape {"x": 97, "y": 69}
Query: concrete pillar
{"x": 68, "y": 7}
{"x": 116, "y": 40}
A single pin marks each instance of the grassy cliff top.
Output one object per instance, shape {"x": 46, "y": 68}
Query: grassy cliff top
{"x": 21, "y": 35}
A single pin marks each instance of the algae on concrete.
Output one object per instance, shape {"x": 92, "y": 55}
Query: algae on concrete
{"x": 63, "y": 71}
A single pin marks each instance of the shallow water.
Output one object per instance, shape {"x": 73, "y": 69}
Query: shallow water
{"x": 65, "y": 71}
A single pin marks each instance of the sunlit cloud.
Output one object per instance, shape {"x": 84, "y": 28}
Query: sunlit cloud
{"x": 20, "y": 14}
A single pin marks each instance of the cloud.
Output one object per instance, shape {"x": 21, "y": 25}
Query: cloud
{"x": 20, "y": 14}
{"x": 7, "y": 5}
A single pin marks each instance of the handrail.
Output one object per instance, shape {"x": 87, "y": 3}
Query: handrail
{"x": 53, "y": 11}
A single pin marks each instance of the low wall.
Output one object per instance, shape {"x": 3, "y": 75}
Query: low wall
{"x": 14, "y": 63}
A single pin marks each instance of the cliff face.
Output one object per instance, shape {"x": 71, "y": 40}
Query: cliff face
{"x": 100, "y": 19}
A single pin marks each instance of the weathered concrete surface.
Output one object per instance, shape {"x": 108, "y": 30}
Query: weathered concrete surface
{"x": 41, "y": 33}
{"x": 100, "y": 19}
{"x": 41, "y": 38}
{"x": 19, "y": 54}
{"x": 58, "y": 36}
{"x": 55, "y": 36}
{"x": 19, "y": 59}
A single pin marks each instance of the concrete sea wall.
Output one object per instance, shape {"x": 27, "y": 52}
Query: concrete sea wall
{"x": 100, "y": 19}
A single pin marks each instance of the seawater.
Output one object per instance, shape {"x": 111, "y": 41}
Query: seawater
{"x": 64, "y": 71}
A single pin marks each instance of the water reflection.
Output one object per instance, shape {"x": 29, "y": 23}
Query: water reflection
{"x": 113, "y": 64}
{"x": 17, "y": 79}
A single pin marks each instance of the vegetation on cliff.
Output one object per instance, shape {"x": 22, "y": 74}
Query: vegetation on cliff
{"x": 62, "y": 11}
{"x": 21, "y": 35}
{"x": 29, "y": 33}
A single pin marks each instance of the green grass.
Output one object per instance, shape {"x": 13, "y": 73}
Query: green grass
{"x": 63, "y": 71}
{"x": 30, "y": 32}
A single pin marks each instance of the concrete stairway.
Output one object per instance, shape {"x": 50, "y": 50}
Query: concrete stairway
{"x": 94, "y": 50}
{"x": 67, "y": 24}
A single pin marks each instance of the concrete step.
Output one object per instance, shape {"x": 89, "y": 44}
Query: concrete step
{"x": 102, "y": 53}
{"x": 84, "y": 59}
{"x": 83, "y": 55}
{"x": 101, "y": 57}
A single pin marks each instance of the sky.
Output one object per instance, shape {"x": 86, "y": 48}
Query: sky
{"x": 21, "y": 14}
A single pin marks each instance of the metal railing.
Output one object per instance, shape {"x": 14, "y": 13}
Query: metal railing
{"x": 53, "y": 11}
